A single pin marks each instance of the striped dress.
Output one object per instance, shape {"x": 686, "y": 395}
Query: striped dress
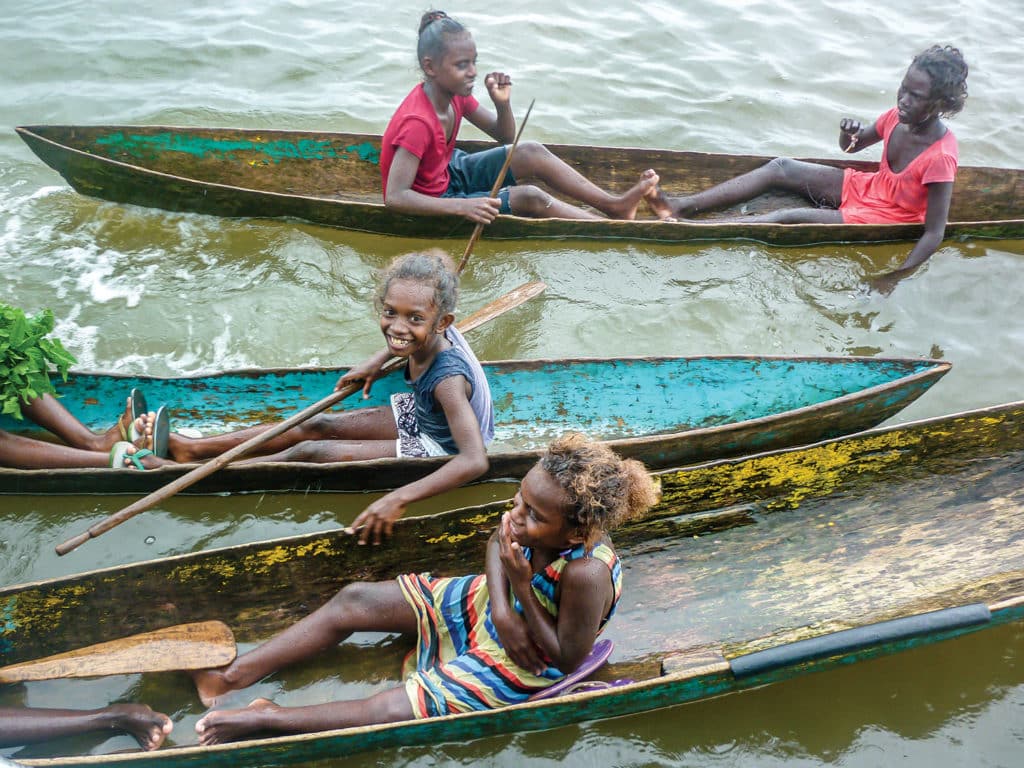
{"x": 458, "y": 664}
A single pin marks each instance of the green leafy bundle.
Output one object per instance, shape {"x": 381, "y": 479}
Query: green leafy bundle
{"x": 25, "y": 358}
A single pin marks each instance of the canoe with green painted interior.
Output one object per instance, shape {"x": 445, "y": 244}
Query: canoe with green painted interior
{"x": 334, "y": 179}
{"x": 666, "y": 411}
{"x": 822, "y": 555}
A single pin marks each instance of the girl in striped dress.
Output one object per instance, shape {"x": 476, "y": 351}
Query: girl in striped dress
{"x": 551, "y": 583}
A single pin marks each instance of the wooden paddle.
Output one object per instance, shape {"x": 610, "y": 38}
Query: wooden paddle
{"x": 498, "y": 307}
{"x": 201, "y": 645}
{"x": 497, "y": 185}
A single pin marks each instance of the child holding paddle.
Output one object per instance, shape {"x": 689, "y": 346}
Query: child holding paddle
{"x": 551, "y": 582}
{"x": 914, "y": 183}
{"x": 447, "y": 413}
{"x": 423, "y": 173}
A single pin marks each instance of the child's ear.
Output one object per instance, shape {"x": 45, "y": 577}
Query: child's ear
{"x": 427, "y": 65}
{"x": 445, "y": 321}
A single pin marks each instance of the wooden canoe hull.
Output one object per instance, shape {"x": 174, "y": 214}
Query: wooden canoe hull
{"x": 663, "y": 411}
{"x": 270, "y": 583}
{"x": 334, "y": 179}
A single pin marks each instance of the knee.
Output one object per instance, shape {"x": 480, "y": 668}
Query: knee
{"x": 528, "y": 200}
{"x": 352, "y": 597}
{"x": 782, "y": 168}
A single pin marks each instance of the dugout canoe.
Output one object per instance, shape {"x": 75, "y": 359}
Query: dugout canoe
{"x": 837, "y": 552}
{"x": 666, "y": 411}
{"x": 334, "y": 179}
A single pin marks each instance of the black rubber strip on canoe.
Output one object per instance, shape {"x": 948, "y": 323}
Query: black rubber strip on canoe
{"x": 849, "y": 640}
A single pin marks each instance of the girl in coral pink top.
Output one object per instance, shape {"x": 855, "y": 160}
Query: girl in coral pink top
{"x": 914, "y": 182}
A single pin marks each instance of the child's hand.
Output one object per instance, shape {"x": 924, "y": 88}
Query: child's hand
{"x": 514, "y": 635}
{"x": 366, "y": 372}
{"x": 517, "y": 567}
{"x": 499, "y": 87}
{"x": 479, "y": 210}
{"x": 851, "y": 129}
{"x": 376, "y": 519}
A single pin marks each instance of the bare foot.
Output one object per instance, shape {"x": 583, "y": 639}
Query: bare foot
{"x": 210, "y": 684}
{"x": 232, "y": 724}
{"x": 120, "y": 431}
{"x": 148, "y": 727}
{"x": 659, "y": 204}
{"x": 625, "y": 205}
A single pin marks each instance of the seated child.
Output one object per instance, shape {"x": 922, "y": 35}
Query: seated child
{"x": 551, "y": 582}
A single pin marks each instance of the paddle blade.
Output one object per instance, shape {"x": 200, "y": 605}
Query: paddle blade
{"x": 184, "y": 646}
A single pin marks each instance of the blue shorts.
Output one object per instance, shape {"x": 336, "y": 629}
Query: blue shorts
{"x": 473, "y": 175}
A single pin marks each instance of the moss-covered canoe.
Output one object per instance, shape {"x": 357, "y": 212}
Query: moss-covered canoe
{"x": 665, "y": 411}
{"x": 749, "y": 571}
{"x": 334, "y": 179}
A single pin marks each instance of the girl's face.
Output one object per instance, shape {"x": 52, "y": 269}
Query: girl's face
{"x": 408, "y": 317}
{"x": 539, "y": 516}
{"x": 914, "y": 99}
{"x": 456, "y": 71}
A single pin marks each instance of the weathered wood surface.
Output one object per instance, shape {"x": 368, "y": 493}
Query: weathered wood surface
{"x": 846, "y": 533}
{"x": 664, "y": 411}
{"x": 334, "y": 179}
{"x": 200, "y": 645}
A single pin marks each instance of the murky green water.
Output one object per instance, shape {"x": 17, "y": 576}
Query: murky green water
{"x": 148, "y": 291}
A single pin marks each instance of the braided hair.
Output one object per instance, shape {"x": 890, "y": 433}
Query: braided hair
{"x": 435, "y": 28}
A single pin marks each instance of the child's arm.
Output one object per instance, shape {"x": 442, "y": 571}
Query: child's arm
{"x": 511, "y": 627}
{"x": 585, "y": 597}
{"x": 367, "y": 372}
{"x": 469, "y": 463}
{"x": 501, "y": 126}
{"x": 403, "y": 198}
{"x": 853, "y": 137}
{"x": 940, "y": 194}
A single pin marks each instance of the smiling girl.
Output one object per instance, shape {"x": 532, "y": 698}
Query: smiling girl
{"x": 423, "y": 173}
{"x": 447, "y": 413}
{"x": 552, "y": 582}
{"x": 914, "y": 182}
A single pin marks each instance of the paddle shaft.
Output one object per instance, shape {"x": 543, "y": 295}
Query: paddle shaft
{"x": 498, "y": 307}
{"x": 479, "y": 228}
{"x": 200, "y": 645}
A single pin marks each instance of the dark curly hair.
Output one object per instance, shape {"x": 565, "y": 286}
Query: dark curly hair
{"x": 602, "y": 488}
{"x": 432, "y": 267}
{"x": 946, "y": 68}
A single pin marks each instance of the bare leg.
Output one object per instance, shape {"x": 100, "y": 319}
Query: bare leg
{"x": 323, "y": 451}
{"x": 47, "y": 412}
{"x": 362, "y": 606}
{"x": 359, "y": 424}
{"x": 20, "y": 452}
{"x": 28, "y": 726}
{"x": 535, "y": 161}
{"x": 263, "y": 715}
{"x": 821, "y": 184}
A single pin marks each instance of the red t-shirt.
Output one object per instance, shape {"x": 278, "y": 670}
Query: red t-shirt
{"x": 885, "y": 197}
{"x": 415, "y": 127}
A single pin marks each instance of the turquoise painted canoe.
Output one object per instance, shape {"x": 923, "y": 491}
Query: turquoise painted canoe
{"x": 763, "y": 568}
{"x": 664, "y": 411}
{"x": 334, "y": 179}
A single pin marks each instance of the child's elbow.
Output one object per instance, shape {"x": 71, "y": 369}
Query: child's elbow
{"x": 477, "y": 464}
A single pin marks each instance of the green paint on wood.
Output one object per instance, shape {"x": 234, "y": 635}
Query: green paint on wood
{"x": 235, "y": 150}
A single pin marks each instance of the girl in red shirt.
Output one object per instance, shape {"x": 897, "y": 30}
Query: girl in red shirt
{"x": 423, "y": 173}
